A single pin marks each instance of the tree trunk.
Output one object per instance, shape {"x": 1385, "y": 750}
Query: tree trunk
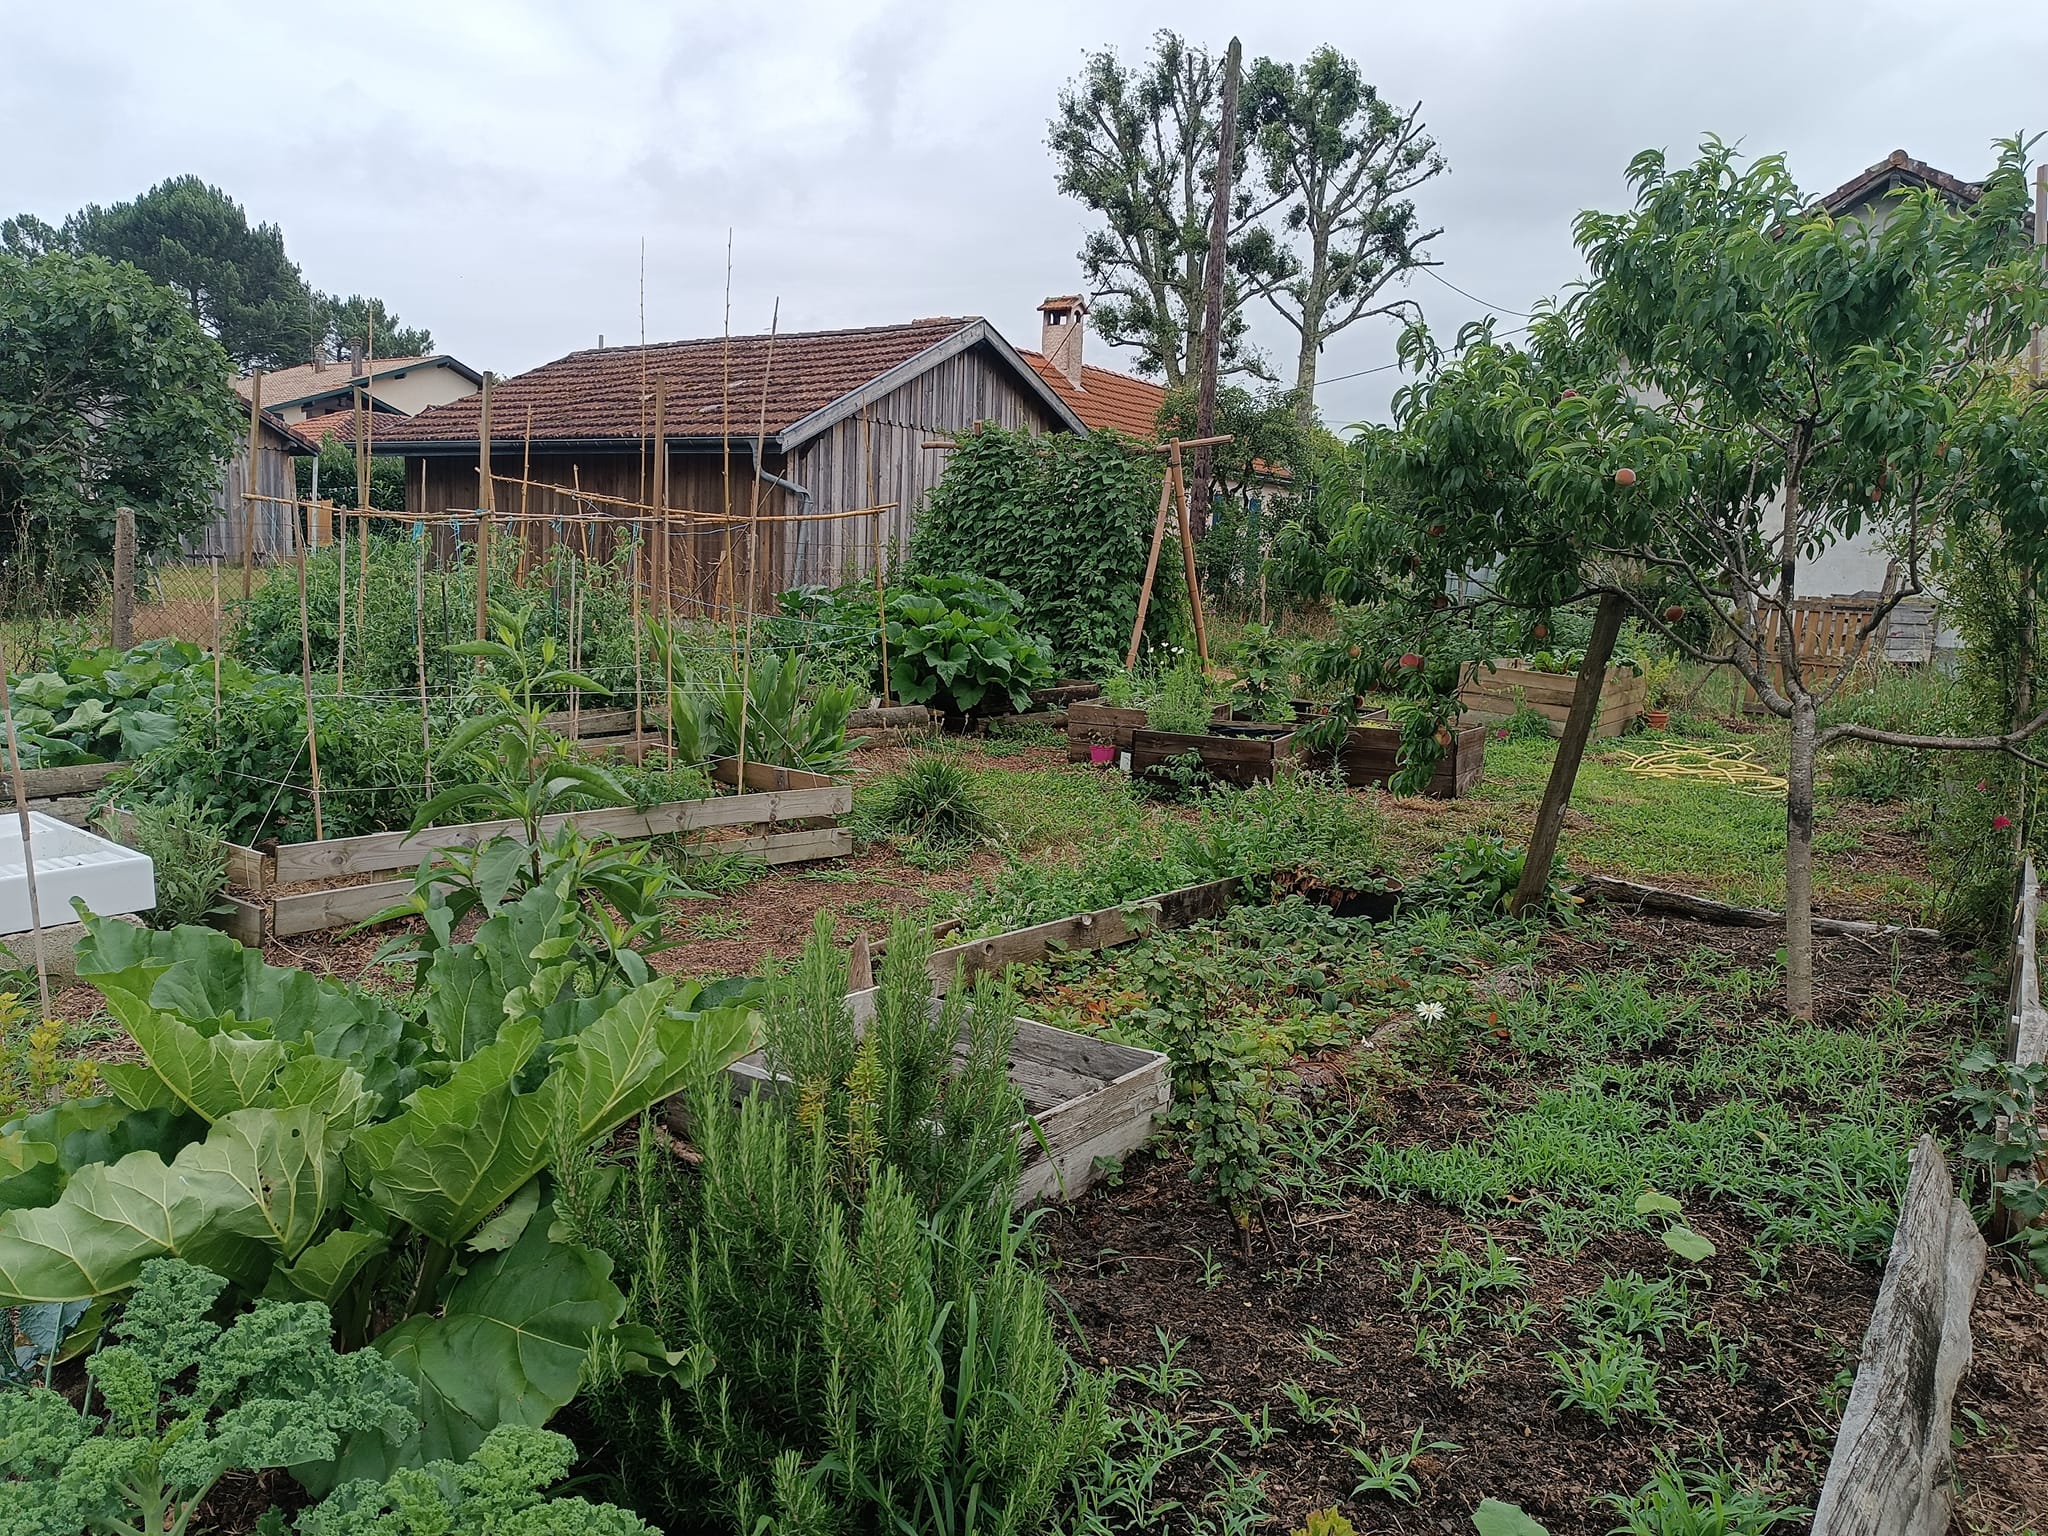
{"x": 1218, "y": 258}
{"x": 1799, "y": 859}
{"x": 1571, "y": 751}
{"x": 1305, "y": 372}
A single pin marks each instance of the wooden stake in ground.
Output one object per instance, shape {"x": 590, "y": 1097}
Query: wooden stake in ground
{"x": 526, "y": 533}
{"x": 306, "y": 687}
{"x": 249, "y": 486}
{"x": 486, "y": 504}
{"x": 1151, "y": 569}
{"x": 1212, "y": 287}
{"x": 867, "y": 485}
{"x": 123, "y": 625}
{"x": 419, "y": 647}
{"x": 746, "y": 661}
{"x": 215, "y": 563}
{"x": 28, "y": 854}
{"x": 664, "y": 561}
{"x": 1187, "y": 552}
{"x": 1571, "y": 751}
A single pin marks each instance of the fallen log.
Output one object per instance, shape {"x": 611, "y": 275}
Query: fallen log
{"x": 1651, "y": 898}
{"x": 892, "y": 717}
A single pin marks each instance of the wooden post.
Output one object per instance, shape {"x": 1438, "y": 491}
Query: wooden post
{"x": 249, "y": 485}
{"x": 124, "y": 578}
{"x": 306, "y": 688}
{"x": 1571, "y": 750}
{"x": 1212, "y": 295}
{"x": 659, "y": 481}
{"x": 419, "y": 645}
{"x": 485, "y": 505}
{"x": 215, "y": 563}
{"x": 867, "y": 486}
{"x": 1151, "y": 568}
{"x": 28, "y": 855}
{"x": 1187, "y": 551}
{"x": 2041, "y": 244}
{"x": 639, "y": 695}
{"x": 366, "y": 413}
{"x": 525, "y": 528}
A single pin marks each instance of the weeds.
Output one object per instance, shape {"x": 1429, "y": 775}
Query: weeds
{"x": 1390, "y": 1469}
{"x": 1607, "y": 1376}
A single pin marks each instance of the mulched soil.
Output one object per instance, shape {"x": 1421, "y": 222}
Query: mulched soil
{"x": 1127, "y": 1261}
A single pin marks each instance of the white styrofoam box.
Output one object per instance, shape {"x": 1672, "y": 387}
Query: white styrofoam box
{"x": 70, "y": 861}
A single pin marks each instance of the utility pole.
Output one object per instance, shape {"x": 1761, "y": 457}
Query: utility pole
{"x": 1212, "y": 282}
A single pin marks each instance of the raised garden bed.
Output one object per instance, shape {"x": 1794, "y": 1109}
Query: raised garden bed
{"x": 784, "y": 816}
{"x": 1089, "y": 1102}
{"x": 1370, "y": 756}
{"x": 1491, "y": 690}
{"x": 1236, "y": 752}
{"x": 1092, "y": 723}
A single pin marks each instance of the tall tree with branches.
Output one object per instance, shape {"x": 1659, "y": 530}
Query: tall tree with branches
{"x": 1137, "y": 145}
{"x": 1340, "y": 165}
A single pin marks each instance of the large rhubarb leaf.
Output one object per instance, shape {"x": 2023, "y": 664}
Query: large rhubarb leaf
{"x": 209, "y": 980}
{"x": 39, "y": 1153}
{"x": 327, "y": 1268}
{"x": 467, "y": 984}
{"x": 212, "y": 1074}
{"x": 233, "y": 1203}
{"x": 508, "y": 1348}
{"x": 459, "y": 1151}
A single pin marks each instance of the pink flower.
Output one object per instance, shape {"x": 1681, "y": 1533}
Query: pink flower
{"x": 1982, "y": 785}
{"x": 2000, "y": 823}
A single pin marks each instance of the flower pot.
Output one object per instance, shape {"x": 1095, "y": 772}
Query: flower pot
{"x": 1656, "y": 719}
{"x": 1101, "y": 752}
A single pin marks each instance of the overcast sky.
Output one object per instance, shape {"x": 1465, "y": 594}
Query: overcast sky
{"x": 491, "y": 169}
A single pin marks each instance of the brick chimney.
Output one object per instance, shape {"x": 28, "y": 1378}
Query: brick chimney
{"x": 355, "y": 360}
{"x": 1061, "y": 330}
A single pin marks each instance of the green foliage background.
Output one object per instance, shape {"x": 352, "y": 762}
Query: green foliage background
{"x": 1064, "y": 521}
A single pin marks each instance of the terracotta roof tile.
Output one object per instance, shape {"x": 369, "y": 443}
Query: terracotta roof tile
{"x": 342, "y": 424}
{"x": 1896, "y": 170}
{"x": 288, "y": 386}
{"x": 1106, "y": 398}
{"x": 597, "y": 395}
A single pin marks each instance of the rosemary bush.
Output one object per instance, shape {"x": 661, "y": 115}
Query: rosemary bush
{"x": 864, "y": 1347}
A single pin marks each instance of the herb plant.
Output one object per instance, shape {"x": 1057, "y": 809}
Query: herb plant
{"x": 787, "y": 714}
{"x": 1182, "y": 705}
{"x": 183, "y": 841}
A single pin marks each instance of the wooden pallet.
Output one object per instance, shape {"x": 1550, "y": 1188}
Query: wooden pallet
{"x": 1490, "y": 692}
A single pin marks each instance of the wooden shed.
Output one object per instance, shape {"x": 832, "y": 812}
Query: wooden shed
{"x": 276, "y": 477}
{"x": 843, "y": 420}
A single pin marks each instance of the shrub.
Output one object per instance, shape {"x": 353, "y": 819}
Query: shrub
{"x": 1062, "y": 521}
{"x": 866, "y": 1346}
{"x": 956, "y": 644}
{"x": 1182, "y": 705}
{"x": 103, "y": 705}
{"x": 184, "y": 843}
{"x": 787, "y": 714}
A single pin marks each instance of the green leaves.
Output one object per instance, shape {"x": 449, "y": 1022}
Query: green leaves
{"x": 1678, "y": 1237}
{"x": 1495, "y": 1517}
{"x": 252, "y": 1192}
{"x": 508, "y": 1348}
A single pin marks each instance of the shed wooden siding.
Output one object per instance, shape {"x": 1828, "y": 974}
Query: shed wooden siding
{"x": 276, "y": 476}
{"x": 889, "y": 446}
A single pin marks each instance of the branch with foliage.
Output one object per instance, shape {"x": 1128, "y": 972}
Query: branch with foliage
{"x": 1340, "y": 165}
{"x": 110, "y": 395}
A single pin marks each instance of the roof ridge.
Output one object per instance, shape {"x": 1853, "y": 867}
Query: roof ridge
{"x": 951, "y": 324}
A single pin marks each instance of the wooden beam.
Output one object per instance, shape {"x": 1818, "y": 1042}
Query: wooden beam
{"x": 1628, "y": 893}
{"x": 1893, "y": 1465}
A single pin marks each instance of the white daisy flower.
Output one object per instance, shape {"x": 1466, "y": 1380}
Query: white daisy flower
{"x": 1430, "y": 1013}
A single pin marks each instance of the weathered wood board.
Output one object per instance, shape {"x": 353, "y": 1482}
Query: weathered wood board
{"x": 1085, "y": 1100}
{"x": 1371, "y": 756}
{"x": 1236, "y": 759}
{"x": 1490, "y": 691}
{"x": 1101, "y": 929}
{"x": 1091, "y": 723}
{"x": 1892, "y": 1463}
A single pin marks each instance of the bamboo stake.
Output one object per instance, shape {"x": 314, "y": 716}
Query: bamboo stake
{"x": 249, "y": 485}
{"x": 639, "y": 698}
{"x": 746, "y": 661}
{"x": 1151, "y": 570}
{"x": 341, "y": 592}
{"x": 215, "y": 562}
{"x": 725, "y": 425}
{"x": 28, "y": 854}
{"x": 485, "y": 506}
{"x": 306, "y": 687}
{"x": 663, "y": 564}
{"x": 525, "y": 480}
{"x": 419, "y": 647}
{"x": 367, "y": 420}
{"x": 1187, "y": 550}
{"x": 867, "y": 487}
{"x": 575, "y": 648}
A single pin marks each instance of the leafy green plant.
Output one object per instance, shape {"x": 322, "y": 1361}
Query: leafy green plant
{"x": 1264, "y": 689}
{"x": 868, "y": 1347}
{"x": 1478, "y": 872}
{"x": 1678, "y": 1237}
{"x": 1059, "y": 519}
{"x": 1182, "y": 705}
{"x": 785, "y": 714}
{"x": 957, "y": 644}
{"x": 1607, "y": 1376}
{"x": 184, "y": 843}
{"x": 1390, "y": 1470}
{"x": 1497, "y": 1517}
{"x": 1325, "y": 1522}
{"x": 102, "y": 705}
{"x": 302, "y": 1136}
{"x": 1700, "y": 1501}
{"x": 520, "y": 770}
{"x": 2003, "y": 1104}
{"x": 1632, "y": 1306}
{"x": 498, "y": 1491}
{"x": 268, "y": 1391}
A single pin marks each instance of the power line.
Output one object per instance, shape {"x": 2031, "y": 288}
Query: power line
{"x": 1522, "y": 314}
{"x": 1338, "y": 378}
